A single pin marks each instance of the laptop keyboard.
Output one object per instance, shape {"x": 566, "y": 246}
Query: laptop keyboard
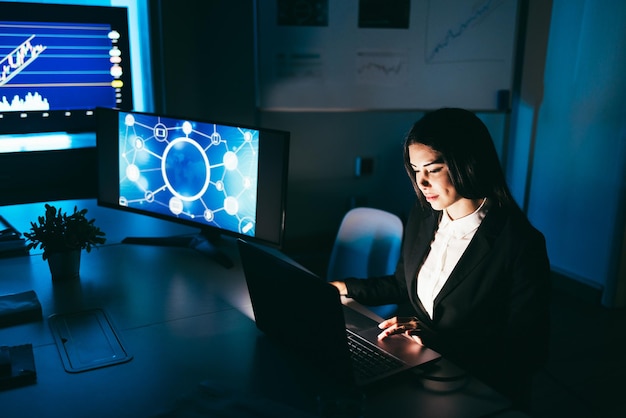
{"x": 369, "y": 362}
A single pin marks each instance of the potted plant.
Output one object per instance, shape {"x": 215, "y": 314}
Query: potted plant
{"x": 62, "y": 237}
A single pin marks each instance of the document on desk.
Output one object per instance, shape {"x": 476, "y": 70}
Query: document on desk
{"x": 18, "y": 308}
{"x": 87, "y": 340}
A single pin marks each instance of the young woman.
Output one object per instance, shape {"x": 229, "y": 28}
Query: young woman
{"x": 473, "y": 269}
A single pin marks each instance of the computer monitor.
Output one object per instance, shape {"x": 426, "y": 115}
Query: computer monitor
{"x": 222, "y": 178}
{"x": 58, "y": 62}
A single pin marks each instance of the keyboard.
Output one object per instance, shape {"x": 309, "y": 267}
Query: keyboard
{"x": 368, "y": 361}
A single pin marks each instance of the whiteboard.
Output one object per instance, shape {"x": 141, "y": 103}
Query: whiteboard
{"x": 325, "y": 55}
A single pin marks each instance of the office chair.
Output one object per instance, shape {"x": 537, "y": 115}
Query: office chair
{"x": 367, "y": 245}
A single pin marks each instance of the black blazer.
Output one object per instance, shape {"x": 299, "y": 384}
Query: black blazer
{"x": 492, "y": 315}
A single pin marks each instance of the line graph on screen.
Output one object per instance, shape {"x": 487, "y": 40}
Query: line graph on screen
{"x": 40, "y": 64}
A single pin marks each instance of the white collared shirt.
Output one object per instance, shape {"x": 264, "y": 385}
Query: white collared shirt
{"x": 450, "y": 242}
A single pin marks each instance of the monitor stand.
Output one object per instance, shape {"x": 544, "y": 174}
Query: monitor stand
{"x": 203, "y": 243}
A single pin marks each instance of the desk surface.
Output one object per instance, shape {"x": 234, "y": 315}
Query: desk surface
{"x": 189, "y": 326}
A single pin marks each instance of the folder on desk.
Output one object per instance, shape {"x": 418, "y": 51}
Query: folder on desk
{"x": 18, "y": 308}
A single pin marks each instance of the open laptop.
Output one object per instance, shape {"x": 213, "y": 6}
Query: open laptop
{"x": 304, "y": 312}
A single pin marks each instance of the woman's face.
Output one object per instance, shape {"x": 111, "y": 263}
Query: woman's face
{"x": 433, "y": 179}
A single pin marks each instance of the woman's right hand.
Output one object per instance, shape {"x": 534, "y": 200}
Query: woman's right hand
{"x": 400, "y": 325}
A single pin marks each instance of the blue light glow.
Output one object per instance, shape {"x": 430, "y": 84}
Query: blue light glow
{"x": 201, "y": 172}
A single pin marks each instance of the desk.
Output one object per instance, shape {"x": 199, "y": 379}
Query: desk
{"x": 185, "y": 320}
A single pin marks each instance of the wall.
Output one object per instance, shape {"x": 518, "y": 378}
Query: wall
{"x": 205, "y": 68}
{"x": 571, "y": 129}
{"x": 565, "y": 158}
{"x": 391, "y": 55}
{"x": 203, "y": 55}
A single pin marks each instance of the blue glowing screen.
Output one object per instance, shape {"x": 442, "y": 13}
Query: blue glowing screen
{"x": 200, "y": 172}
{"x": 48, "y": 66}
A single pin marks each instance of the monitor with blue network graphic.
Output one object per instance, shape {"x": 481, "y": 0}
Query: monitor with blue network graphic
{"x": 58, "y": 63}
{"x": 202, "y": 172}
{"x": 221, "y": 178}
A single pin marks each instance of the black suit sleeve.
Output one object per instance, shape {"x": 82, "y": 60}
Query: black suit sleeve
{"x": 394, "y": 288}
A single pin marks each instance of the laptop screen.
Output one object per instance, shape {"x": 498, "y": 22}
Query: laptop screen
{"x": 298, "y": 309}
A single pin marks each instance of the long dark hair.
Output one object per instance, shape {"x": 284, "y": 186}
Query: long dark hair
{"x": 467, "y": 148}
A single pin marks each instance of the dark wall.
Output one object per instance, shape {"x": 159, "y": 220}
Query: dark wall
{"x": 47, "y": 175}
{"x": 204, "y": 67}
{"x": 203, "y": 54}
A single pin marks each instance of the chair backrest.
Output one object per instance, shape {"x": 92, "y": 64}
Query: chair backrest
{"x": 367, "y": 244}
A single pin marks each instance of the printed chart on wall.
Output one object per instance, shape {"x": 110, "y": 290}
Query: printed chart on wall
{"x": 385, "y": 54}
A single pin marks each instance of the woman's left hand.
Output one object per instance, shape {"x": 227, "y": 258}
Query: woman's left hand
{"x": 400, "y": 325}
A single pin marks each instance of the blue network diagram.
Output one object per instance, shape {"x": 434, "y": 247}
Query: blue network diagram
{"x": 200, "y": 172}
